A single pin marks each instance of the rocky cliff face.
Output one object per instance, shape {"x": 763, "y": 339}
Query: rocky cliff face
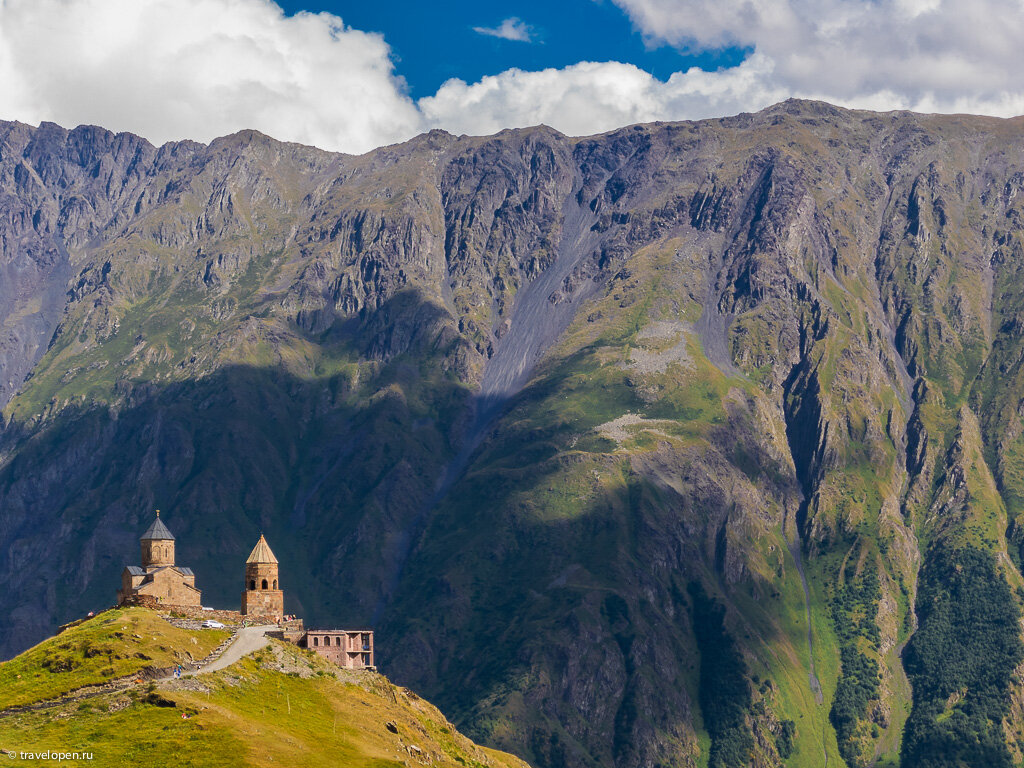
{"x": 634, "y": 448}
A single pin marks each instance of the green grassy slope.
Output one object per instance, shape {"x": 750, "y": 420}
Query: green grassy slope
{"x": 281, "y": 706}
{"x": 112, "y": 645}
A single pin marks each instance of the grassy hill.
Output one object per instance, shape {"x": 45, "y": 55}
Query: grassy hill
{"x": 280, "y": 706}
{"x": 112, "y": 645}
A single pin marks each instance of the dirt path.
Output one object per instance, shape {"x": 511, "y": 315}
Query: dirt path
{"x": 248, "y": 640}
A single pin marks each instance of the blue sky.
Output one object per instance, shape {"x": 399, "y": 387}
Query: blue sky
{"x": 433, "y": 42}
{"x": 350, "y": 76}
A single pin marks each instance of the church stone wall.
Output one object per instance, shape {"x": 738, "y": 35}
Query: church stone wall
{"x": 263, "y": 602}
{"x": 258, "y": 573}
{"x": 169, "y": 586}
{"x": 157, "y": 552}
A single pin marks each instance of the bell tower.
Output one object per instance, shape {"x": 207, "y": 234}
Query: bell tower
{"x": 157, "y": 545}
{"x": 262, "y": 595}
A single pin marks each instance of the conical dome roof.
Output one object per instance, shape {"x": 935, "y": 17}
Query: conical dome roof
{"x": 158, "y": 531}
{"x": 261, "y": 553}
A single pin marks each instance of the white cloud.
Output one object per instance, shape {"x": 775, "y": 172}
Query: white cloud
{"x": 591, "y": 97}
{"x": 940, "y": 55}
{"x": 509, "y": 29}
{"x": 172, "y": 69}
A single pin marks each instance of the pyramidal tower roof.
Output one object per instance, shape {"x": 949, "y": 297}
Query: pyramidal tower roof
{"x": 261, "y": 553}
{"x": 158, "y": 531}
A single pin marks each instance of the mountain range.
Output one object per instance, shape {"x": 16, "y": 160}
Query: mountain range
{"x": 688, "y": 444}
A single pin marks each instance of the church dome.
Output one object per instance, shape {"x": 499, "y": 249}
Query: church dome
{"x": 261, "y": 553}
{"x": 158, "y": 531}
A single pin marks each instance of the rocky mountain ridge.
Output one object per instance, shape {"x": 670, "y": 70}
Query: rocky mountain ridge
{"x": 579, "y": 424}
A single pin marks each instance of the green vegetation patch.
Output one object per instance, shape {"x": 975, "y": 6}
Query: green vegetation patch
{"x": 961, "y": 662}
{"x": 725, "y": 698}
{"x": 854, "y": 606}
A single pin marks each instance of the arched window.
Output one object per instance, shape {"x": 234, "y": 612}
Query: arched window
{"x": 275, "y": 583}
{"x": 252, "y": 584}
{"x": 316, "y": 641}
{"x": 337, "y": 641}
{"x": 264, "y": 584}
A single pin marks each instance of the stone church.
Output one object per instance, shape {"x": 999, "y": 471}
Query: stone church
{"x": 158, "y": 580}
{"x": 262, "y": 595}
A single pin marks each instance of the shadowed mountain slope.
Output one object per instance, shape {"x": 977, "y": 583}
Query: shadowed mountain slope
{"x": 685, "y": 444}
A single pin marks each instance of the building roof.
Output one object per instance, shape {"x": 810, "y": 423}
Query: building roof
{"x": 158, "y": 531}
{"x": 135, "y": 570}
{"x": 179, "y": 568}
{"x": 339, "y": 631}
{"x": 261, "y": 553}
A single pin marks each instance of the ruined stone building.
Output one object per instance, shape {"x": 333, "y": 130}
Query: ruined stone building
{"x": 352, "y": 649}
{"x": 262, "y": 595}
{"x": 158, "y": 580}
